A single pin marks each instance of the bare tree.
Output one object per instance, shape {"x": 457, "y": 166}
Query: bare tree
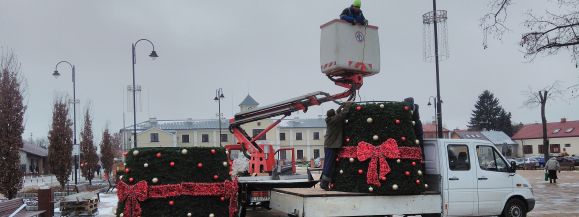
{"x": 88, "y": 157}
{"x": 60, "y": 139}
{"x": 545, "y": 34}
{"x": 12, "y": 111}
{"x": 540, "y": 98}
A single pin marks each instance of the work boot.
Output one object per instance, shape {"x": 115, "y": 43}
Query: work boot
{"x": 325, "y": 185}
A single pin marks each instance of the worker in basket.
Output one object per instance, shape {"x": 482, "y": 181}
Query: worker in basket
{"x": 333, "y": 141}
{"x": 353, "y": 14}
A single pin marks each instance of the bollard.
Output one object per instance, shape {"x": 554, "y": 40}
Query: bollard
{"x": 45, "y": 201}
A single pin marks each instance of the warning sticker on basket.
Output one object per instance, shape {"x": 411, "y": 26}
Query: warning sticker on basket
{"x": 359, "y": 36}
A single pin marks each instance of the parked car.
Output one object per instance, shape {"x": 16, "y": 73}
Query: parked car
{"x": 541, "y": 160}
{"x": 531, "y": 162}
{"x": 566, "y": 163}
{"x": 576, "y": 158}
{"x": 520, "y": 162}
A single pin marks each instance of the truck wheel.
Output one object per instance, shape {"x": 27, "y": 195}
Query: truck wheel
{"x": 515, "y": 208}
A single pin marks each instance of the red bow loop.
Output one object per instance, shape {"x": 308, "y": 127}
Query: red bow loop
{"x": 231, "y": 193}
{"x": 377, "y": 156}
{"x": 132, "y": 195}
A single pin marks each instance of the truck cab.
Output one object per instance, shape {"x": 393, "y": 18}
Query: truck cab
{"x": 475, "y": 179}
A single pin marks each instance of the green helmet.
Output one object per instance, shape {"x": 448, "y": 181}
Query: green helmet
{"x": 357, "y": 3}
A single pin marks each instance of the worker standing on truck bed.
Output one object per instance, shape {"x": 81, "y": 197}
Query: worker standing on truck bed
{"x": 333, "y": 141}
{"x": 353, "y": 14}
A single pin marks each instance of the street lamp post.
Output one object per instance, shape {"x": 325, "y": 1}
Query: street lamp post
{"x": 438, "y": 106}
{"x": 435, "y": 113}
{"x": 153, "y": 55}
{"x": 218, "y": 96}
{"x": 56, "y": 75}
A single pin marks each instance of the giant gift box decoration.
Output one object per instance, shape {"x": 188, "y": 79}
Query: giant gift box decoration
{"x": 176, "y": 182}
{"x": 382, "y": 151}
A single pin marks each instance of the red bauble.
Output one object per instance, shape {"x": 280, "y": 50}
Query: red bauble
{"x": 131, "y": 179}
{"x": 360, "y": 171}
{"x": 172, "y": 164}
{"x": 199, "y": 165}
{"x": 383, "y": 178}
{"x": 222, "y": 199}
{"x": 127, "y": 170}
{"x": 215, "y": 177}
{"x": 171, "y": 203}
{"x": 213, "y": 151}
{"x": 406, "y": 108}
{"x": 158, "y": 155}
{"x": 418, "y": 181}
{"x": 337, "y": 159}
{"x": 358, "y": 108}
{"x": 413, "y": 163}
{"x": 397, "y": 121}
{"x": 407, "y": 173}
{"x": 403, "y": 138}
{"x": 347, "y": 139}
{"x": 125, "y": 153}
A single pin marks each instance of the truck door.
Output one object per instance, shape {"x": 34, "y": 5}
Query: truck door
{"x": 494, "y": 180}
{"x": 461, "y": 181}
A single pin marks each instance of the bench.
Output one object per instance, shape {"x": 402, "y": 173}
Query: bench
{"x": 16, "y": 207}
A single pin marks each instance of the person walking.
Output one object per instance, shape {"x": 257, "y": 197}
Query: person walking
{"x": 333, "y": 141}
{"x": 551, "y": 167}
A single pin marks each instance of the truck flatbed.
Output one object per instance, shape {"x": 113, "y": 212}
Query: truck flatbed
{"x": 316, "y": 202}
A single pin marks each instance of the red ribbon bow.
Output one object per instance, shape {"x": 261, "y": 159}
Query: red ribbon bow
{"x": 365, "y": 151}
{"x": 133, "y": 194}
{"x": 231, "y": 193}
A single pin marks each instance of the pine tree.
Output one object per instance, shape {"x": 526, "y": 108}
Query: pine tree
{"x": 60, "y": 143}
{"x": 11, "y": 126}
{"x": 107, "y": 155}
{"x": 88, "y": 156}
{"x": 490, "y": 115}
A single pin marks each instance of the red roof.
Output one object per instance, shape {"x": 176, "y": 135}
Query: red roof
{"x": 431, "y": 127}
{"x": 554, "y": 130}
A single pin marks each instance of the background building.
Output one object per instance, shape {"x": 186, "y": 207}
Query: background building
{"x": 563, "y": 137}
{"x": 501, "y": 140}
{"x": 33, "y": 158}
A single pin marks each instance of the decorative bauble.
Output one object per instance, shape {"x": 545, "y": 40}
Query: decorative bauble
{"x": 226, "y": 152}
{"x": 124, "y": 164}
{"x": 127, "y": 170}
{"x": 211, "y": 215}
{"x": 346, "y": 121}
{"x": 341, "y": 171}
{"x": 369, "y": 120}
{"x": 407, "y": 173}
{"x": 121, "y": 177}
{"x": 222, "y": 199}
{"x": 397, "y": 121}
{"x": 225, "y": 163}
{"x": 370, "y": 189}
{"x": 395, "y": 187}
{"x": 145, "y": 165}
{"x": 419, "y": 172}
{"x": 413, "y": 163}
{"x": 406, "y": 108}
{"x": 375, "y": 137}
{"x": 337, "y": 159}
{"x": 360, "y": 171}
{"x": 155, "y": 180}
{"x": 351, "y": 160}
{"x": 347, "y": 139}
{"x": 383, "y": 178}
{"x": 183, "y": 151}
{"x": 425, "y": 185}
{"x": 158, "y": 155}
{"x": 121, "y": 215}
{"x": 213, "y": 151}
{"x": 418, "y": 181}
{"x": 381, "y": 105}
{"x": 135, "y": 152}
{"x": 131, "y": 179}
{"x": 125, "y": 153}
{"x": 403, "y": 138}
{"x": 215, "y": 177}
{"x": 413, "y": 123}
{"x": 172, "y": 164}
{"x": 199, "y": 165}
{"x": 411, "y": 112}
{"x": 417, "y": 142}
{"x": 397, "y": 160}
{"x": 358, "y": 108}
{"x": 189, "y": 214}
{"x": 171, "y": 203}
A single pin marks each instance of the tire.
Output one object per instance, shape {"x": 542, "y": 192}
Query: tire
{"x": 515, "y": 208}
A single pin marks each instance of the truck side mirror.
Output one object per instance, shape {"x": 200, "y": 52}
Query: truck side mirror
{"x": 513, "y": 166}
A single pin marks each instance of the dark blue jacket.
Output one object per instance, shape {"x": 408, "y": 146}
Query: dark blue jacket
{"x": 352, "y": 16}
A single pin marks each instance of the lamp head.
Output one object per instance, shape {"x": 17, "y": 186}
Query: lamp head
{"x": 429, "y": 104}
{"x": 56, "y": 74}
{"x": 153, "y": 55}
{"x": 216, "y": 98}
{"x": 222, "y": 96}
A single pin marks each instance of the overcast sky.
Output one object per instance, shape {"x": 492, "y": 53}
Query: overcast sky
{"x": 269, "y": 49}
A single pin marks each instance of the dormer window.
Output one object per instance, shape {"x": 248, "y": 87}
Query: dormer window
{"x": 556, "y": 131}
{"x": 568, "y": 130}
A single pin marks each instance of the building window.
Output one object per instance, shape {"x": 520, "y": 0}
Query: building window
{"x": 555, "y": 148}
{"x": 223, "y": 138}
{"x": 204, "y": 137}
{"x": 541, "y": 151}
{"x": 300, "y": 154}
{"x": 316, "y": 153}
{"x": 567, "y": 145}
{"x": 527, "y": 149}
{"x": 299, "y": 136}
{"x": 154, "y": 137}
{"x": 185, "y": 138}
{"x": 316, "y": 135}
{"x": 281, "y": 136}
{"x": 257, "y": 132}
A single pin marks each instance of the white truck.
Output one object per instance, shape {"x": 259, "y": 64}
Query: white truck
{"x": 465, "y": 178}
